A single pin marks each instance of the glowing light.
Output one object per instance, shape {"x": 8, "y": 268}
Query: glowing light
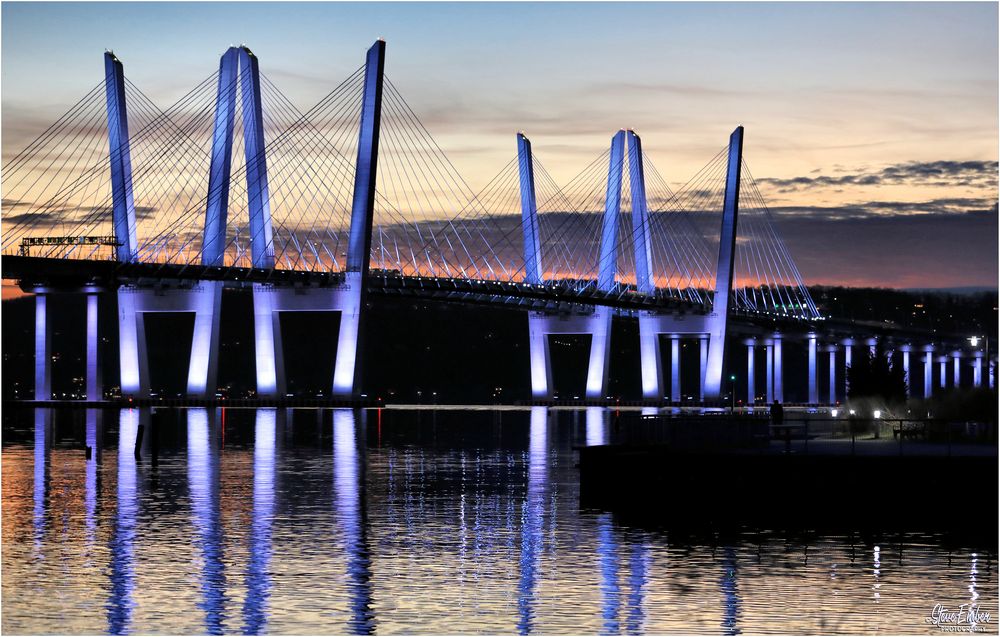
{"x": 596, "y": 433}
{"x": 131, "y": 342}
{"x": 205, "y": 339}
{"x": 538, "y": 351}
{"x": 649, "y": 357}
{"x": 534, "y": 509}
{"x": 258, "y": 580}
{"x": 878, "y": 413}
{"x": 90, "y": 508}
{"x": 264, "y": 340}
{"x": 93, "y": 372}
{"x": 122, "y": 574}
{"x": 597, "y": 371}
{"x": 347, "y": 342}
{"x": 43, "y": 366}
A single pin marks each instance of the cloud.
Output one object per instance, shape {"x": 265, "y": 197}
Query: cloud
{"x": 937, "y": 243}
{"x": 945, "y": 207}
{"x": 974, "y": 174}
{"x": 36, "y": 219}
{"x": 50, "y": 216}
{"x": 666, "y": 89}
{"x": 7, "y": 204}
{"x": 943, "y": 249}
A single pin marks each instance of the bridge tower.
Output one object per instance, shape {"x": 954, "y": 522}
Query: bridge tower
{"x": 132, "y": 336}
{"x": 651, "y": 323}
{"x": 718, "y": 320}
{"x": 238, "y": 65}
{"x": 598, "y": 323}
{"x": 123, "y": 222}
{"x": 347, "y": 298}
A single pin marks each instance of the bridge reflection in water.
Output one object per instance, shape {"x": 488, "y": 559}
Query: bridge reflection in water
{"x": 378, "y": 521}
{"x": 258, "y": 576}
{"x": 122, "y": 572}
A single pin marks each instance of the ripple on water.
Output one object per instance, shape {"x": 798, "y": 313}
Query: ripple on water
{"x": 455, "y": 522}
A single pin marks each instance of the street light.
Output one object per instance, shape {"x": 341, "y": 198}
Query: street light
{"x": 974, "y": 341}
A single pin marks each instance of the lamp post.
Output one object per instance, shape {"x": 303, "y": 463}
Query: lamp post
{"x": 974, "y": 341}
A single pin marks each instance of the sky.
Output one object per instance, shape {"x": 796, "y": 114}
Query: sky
{"x": 871, "y": 128}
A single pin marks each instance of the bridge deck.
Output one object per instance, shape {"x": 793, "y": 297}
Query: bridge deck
{"x": 45, "y": 272}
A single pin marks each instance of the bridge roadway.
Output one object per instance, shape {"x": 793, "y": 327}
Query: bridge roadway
{"x": 566, "y": 300}
{"x": 56, "y": 275}
{"x": 69, "y": 274}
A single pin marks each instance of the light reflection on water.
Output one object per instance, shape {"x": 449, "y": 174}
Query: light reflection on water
{"x": 281, "y": 521}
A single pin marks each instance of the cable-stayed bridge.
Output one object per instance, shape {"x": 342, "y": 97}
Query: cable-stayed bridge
{"x": 233, "y": 185}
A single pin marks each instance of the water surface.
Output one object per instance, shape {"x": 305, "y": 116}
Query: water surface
{"x": 385, "y": 521}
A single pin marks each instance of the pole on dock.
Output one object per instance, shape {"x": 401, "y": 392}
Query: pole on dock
{"x": 138, "y": 441}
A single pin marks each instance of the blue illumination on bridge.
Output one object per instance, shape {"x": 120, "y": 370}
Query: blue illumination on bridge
{"x": 302, "y": 224}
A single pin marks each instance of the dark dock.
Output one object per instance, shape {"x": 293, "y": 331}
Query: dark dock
{"x": 750, "y": 478}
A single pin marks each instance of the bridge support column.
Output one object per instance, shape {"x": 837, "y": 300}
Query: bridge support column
{"x": 345, "y": 366}
{"x": 95, "y": 386}
{"x": 751, "y": 374}
{"x": 813, "y": 389}
{"x": 267, "y": 343}
{"x": 977, "y": 370}
{"x": 598, "y": 325}
{"x": 206, "y": 302}
{"x": 541, "y": 363}
{"x": 649, "y": 358}
{"x": 848, "y": 344}
{"x": 719, "y": 317}
{"x": 132, "y": 358}
{"x": 769, "y": 371}
{"x": 703, "y": 358}
{"x": 203, "y": 300}
{"x": 956, "y": 358}
{"x": 675, "y": 368}
{"x": 993, "y": 372}
{"x": 906, "y": 370}
{"x": 43, "y": 354}
{"x": 942, "y": 371}
{"x": 832, "y": 351}
{"x": 651, "y": 325}
{"x": 600, "y": 353}
{"x": 928, "y": 370}
{"x": 271, "y": 301}
{"x": 871, "y": 342}
{"x": 779, "y": 385}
